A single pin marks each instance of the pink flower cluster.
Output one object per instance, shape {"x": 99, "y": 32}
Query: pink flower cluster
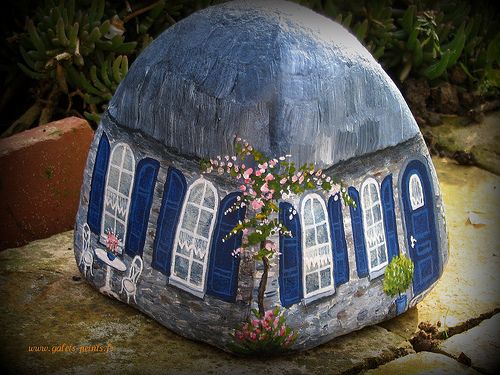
{"x": 267, "y": 332}
{"x": 112, "y": 241}
{"x": 263, "y": 181}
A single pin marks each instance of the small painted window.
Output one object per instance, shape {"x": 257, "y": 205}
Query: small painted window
{"x": 416, "y": 193}
{"x": 193, "y": 236}
{"x": 317, "y": 260}
{"x": 373, "y": 224}
{"x": 119, "y": 181}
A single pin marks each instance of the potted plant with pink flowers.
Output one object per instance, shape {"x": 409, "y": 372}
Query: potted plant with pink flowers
{"x": 263, "y": 181}
{"x": 112, "y": 244}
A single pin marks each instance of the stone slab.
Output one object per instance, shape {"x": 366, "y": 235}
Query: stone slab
{"x": 44, "y": 306}
{"x": 423, "y": 363}
{"x": 40, "y": 180}
{"x": 482, "y": 139}
{"x": 469, "y": 284}
{"x": 481, "y": 344}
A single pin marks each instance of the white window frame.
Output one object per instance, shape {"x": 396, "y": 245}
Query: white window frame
{"x": 380, "y": 268}
{"x": 419, "y": 201}
{"x": 107, "y": 188}
{"x": 308, "y": 297}
{"x": 174, "y": 279}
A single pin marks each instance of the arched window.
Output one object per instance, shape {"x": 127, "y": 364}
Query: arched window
{"x": 190, "y": 257}
{"x": 416, "y": 193}
{"x": 317, "y": 263}
{"x": 373, "y": 225}
{"x": 119, "y": 179}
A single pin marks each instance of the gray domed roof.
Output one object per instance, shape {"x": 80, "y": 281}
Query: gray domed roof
{"x": 275, "y": 73}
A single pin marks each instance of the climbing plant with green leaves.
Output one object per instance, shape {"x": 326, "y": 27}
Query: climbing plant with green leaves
{"x": 264, "y": 181}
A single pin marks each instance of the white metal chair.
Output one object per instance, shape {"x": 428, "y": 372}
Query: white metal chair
{"x": 129, "y": 283}
{"x": 87, "y": 257}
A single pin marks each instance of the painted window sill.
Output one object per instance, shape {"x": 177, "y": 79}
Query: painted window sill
{"x": 376, "y": 274}
{"x": 311, "y": 299}
{"x": 197, "y": 293}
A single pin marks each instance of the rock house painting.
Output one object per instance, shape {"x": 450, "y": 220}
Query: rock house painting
{"x": 143, "y": 181}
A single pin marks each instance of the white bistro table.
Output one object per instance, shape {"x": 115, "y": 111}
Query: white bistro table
{"x": 116, "y": 263}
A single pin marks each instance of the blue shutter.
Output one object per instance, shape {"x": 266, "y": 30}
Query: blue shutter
{"x": 140, "y": 206}
{"x": 391, "y": 233}
{"x": 97, "y": 186}
{"x": 173, "y": 196}
{"x": 290, "y": 272}
{"x": 341, "y": 262}
{"x": 223, "y": 266}
{"x": 358, "y": 234}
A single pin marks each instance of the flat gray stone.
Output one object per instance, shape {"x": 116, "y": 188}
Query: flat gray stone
{"x": 423, "y": 363}
{"x": 481, "y": 344}
{"x": 44, "y": 306}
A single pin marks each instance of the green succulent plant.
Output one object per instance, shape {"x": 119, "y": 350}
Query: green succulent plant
{"x": 398, "y": 275}
{"x": 422, "y": 38}
{"x": 66, "y": 45}
{"x": 78, "y": 50}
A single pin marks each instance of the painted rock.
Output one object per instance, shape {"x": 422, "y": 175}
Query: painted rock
{"x": 290, "y": 82}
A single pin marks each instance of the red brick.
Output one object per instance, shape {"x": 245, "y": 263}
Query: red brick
{"x": 41, "y": 174}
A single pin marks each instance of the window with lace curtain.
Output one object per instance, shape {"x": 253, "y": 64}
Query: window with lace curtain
{"x": 119, "y": 180}
{"x": 317, "y": 262}
{"x": 190, "y": 257}
{"x": 373, "y": 225}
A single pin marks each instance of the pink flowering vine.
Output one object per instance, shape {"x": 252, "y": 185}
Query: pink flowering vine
{"x": 263, "y": 181}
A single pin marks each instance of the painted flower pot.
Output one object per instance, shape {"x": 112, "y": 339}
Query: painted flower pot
{"x": 401, "y": 304}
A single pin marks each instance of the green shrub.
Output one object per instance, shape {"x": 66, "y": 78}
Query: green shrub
{"x": 398, "y": 275}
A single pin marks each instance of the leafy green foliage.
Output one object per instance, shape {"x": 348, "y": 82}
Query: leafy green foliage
{"x": 83, "y": 47}
{"x": 79, "y": 50}
{"x": 425, "y": 38}
{"x": 398, "y": 275}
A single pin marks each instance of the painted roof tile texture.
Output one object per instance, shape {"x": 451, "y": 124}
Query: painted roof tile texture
{"x": 288, "y": 80}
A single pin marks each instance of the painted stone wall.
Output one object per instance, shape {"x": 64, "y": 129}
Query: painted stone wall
{"x": 360, "y": 301}
{"x": 208, "y": 319}
{"x": 355, "y": 304}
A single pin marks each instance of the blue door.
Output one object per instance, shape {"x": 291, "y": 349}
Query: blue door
{"x": 418, "y": 203}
